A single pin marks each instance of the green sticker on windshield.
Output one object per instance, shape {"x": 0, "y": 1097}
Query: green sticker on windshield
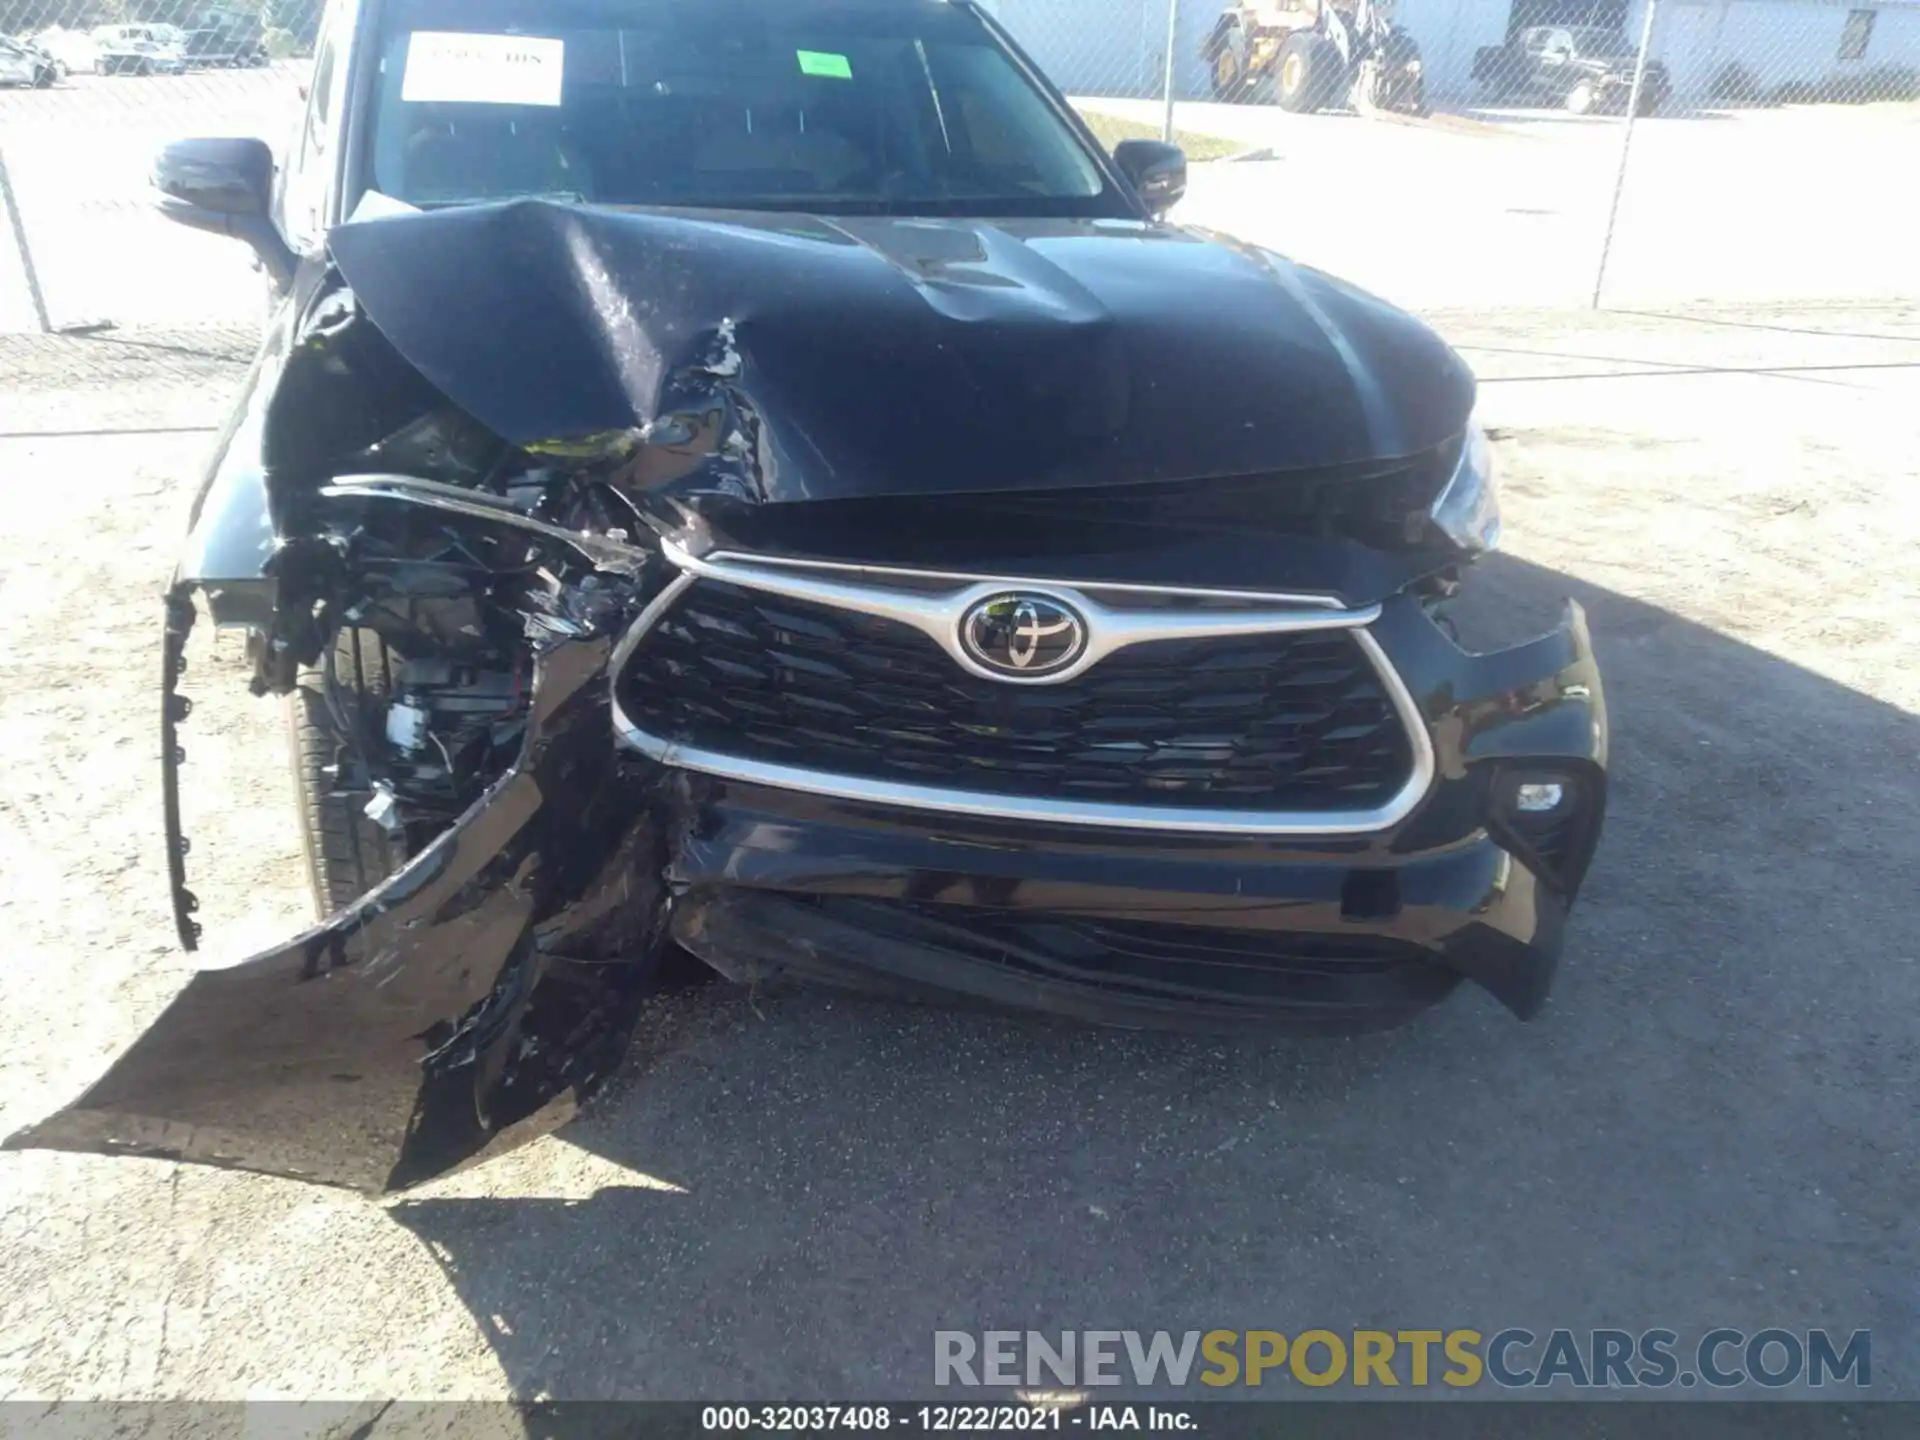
{"x": 821, "y": 62}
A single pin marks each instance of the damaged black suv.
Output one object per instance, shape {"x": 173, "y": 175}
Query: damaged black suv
{"x": 756, "y": 477}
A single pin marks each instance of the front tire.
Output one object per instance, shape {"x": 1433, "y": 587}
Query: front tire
{"x": 1227, "y": 66}
{"x": 1583, "y": 98}
{"x": 347, "y": 854}
{"x": 1305, "y": 73}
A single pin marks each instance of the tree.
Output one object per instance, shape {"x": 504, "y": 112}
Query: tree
{"x": 299, "y": 18}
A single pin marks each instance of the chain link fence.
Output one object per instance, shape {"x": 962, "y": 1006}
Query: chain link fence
{"x": 1443, "y": 153}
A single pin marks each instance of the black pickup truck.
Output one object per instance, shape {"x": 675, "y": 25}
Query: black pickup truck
{"x": 1583, "y": 68}
{"x": 227, "y": 40}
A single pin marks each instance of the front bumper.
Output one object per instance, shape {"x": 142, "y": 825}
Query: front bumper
{"x": 478, "y": 996}
{"x": 1146, "y": 928}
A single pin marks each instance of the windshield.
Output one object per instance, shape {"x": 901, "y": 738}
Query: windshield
{"x": 1600, "y": 42}
{"x": 829, "y": 106}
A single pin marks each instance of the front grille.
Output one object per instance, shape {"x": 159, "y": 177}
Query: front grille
{"x": 1296, "y": 722}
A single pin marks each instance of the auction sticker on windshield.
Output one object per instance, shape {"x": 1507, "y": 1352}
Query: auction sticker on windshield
{"x": 825, "y": 63}
{"x": 446, "y": 67}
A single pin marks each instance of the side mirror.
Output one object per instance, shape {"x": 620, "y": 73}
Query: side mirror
{"x": 226, "y": 187}
{"x": 1158, "y": 171}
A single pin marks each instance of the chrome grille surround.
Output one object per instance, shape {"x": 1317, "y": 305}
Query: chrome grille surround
{"x": 1118, "y": 616}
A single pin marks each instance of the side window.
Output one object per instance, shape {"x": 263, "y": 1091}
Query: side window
{"x": 310, "y": 157}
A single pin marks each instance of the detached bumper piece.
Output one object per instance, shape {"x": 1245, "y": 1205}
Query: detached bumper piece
{"x": 465, "y": 1006}
{"x": 174, "y": 710}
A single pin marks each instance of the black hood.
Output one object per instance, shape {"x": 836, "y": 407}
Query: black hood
{"x": 879, "y": 356}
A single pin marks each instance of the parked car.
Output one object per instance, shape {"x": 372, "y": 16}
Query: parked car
{"x": 74, "y": 50}
{"x": 138, "y": 50}
{"x": 22, "y": 62}
{"x": 787, "y": 493}
{"x": 227, "y": 41}
{"x": 1582, "y": 68}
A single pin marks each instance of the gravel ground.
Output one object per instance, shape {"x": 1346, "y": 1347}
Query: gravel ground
{"x": 1713, "y": 1123}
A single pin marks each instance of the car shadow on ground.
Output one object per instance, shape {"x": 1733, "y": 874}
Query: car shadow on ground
{"x": 1697, "y": 1132}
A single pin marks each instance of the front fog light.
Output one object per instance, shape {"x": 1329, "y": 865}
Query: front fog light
{"x": 1468, "y": 510}
{"x": 1553, "y": 816}
{"x": 1539, "y": 797}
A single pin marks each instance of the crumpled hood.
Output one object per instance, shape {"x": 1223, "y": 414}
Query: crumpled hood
{"x": 874, "y": 356}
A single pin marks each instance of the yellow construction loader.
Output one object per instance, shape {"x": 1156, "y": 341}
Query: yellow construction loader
{"x": 1312, "y": 54}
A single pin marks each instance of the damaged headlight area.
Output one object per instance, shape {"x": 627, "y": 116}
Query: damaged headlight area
{"x": 439, "y": 608}
{"x": 1468, "y": 510}
{"x": 413, "y": 583}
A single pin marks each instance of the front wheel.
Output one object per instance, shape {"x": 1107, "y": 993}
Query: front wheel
{"x": 332, "y": 719}
{"x": 1649, "y": 103}
{"x": 1228, "y": 68}
{"x": 1583, "y": 98}
{"x": 1306, "y": 72}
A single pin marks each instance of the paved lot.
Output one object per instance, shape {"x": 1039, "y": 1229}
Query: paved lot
{"x": 1715, "y": 1122}
{"x": 1510, "y": 207}
{"x": 1480, "y": 209}
{"x": 79, "y": 157}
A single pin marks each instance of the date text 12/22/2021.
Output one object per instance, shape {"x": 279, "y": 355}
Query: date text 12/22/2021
{"x": 943, "y": 1419}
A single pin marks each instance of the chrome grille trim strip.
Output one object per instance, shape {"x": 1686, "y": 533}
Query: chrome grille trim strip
{"x": 938, "y": 616}
{"x": 923, "y": 611}
{"x": 1268, "y": 597}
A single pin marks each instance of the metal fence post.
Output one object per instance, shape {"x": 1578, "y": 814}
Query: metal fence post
{"x": 1173, "y": 38}
{"x": 20, "y": 243}
{"x": 1626, "y": 144}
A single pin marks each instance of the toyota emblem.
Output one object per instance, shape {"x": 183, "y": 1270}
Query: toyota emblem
{"x": 1023, "y": 637}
